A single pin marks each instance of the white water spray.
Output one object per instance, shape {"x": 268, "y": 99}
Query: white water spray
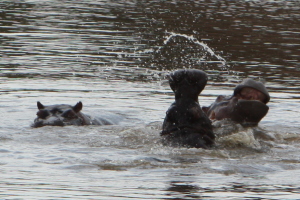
{"x": 194, "y": 40}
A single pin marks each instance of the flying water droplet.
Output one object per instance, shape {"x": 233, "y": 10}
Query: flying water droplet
{"x": 197, "y": 42}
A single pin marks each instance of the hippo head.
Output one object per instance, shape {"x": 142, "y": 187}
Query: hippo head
{"x": 187, "y": 83}
{"x": 58, "y": 115}
{"x": 247, "y": 105}
{"x": 185, "y": 123}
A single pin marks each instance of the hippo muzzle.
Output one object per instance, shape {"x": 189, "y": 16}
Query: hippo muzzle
{"x": 185, "y": 123}
{"x": 247, "y": 105}
{"x": 57, "y": 121}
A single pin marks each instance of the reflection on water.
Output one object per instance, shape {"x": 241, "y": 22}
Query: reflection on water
{"x": 257, "y": 39}
{"x": 114, "y": 57}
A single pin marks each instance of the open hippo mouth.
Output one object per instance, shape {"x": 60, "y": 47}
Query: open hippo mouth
{"x": 249, "y": 111}
{"x": 246, "y": 112}
{"x": 185, "y": 123}
{"x": 247, "y": 105}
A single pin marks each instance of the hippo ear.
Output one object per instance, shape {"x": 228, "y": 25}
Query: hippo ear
{"x": 40, "y": 105}
{"x": 78, "y": 107}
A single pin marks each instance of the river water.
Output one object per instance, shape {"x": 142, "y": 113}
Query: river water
{"x": 115, "y": 56}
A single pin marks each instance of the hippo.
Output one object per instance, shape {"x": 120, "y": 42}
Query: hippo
{"x": 185, "y": 123}
{"x": 246, "y": 106}
{"x": 63, "y": 114}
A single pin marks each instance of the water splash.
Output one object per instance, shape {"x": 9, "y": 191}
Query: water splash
{"x": 197, "y": 42}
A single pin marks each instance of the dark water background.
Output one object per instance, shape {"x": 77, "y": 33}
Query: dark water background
{"x": 114, "y": 57}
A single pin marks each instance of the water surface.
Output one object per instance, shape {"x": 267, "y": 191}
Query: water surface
{"x": 114, "y": 56}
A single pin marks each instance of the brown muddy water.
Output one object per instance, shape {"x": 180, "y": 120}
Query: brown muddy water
{"x": 114, "y": 56}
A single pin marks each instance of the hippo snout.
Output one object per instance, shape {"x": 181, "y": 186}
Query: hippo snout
{"x": 51, "y": 121}
{"x": 185, "y": 123}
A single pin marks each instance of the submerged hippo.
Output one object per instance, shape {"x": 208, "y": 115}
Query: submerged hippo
{"x": 247, "y": 105}
{"x": 62, "y": 115}
{"x": 185, "y": 123}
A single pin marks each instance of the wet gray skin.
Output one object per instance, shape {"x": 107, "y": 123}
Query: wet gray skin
{"x": 247, "y": 105}
{"x": 63, "y": 115}
{"x": 185, "y": 123}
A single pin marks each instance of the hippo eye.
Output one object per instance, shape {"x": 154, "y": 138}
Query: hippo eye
{"x": 69, "y": 114}
{"x": 42, "y": 114}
